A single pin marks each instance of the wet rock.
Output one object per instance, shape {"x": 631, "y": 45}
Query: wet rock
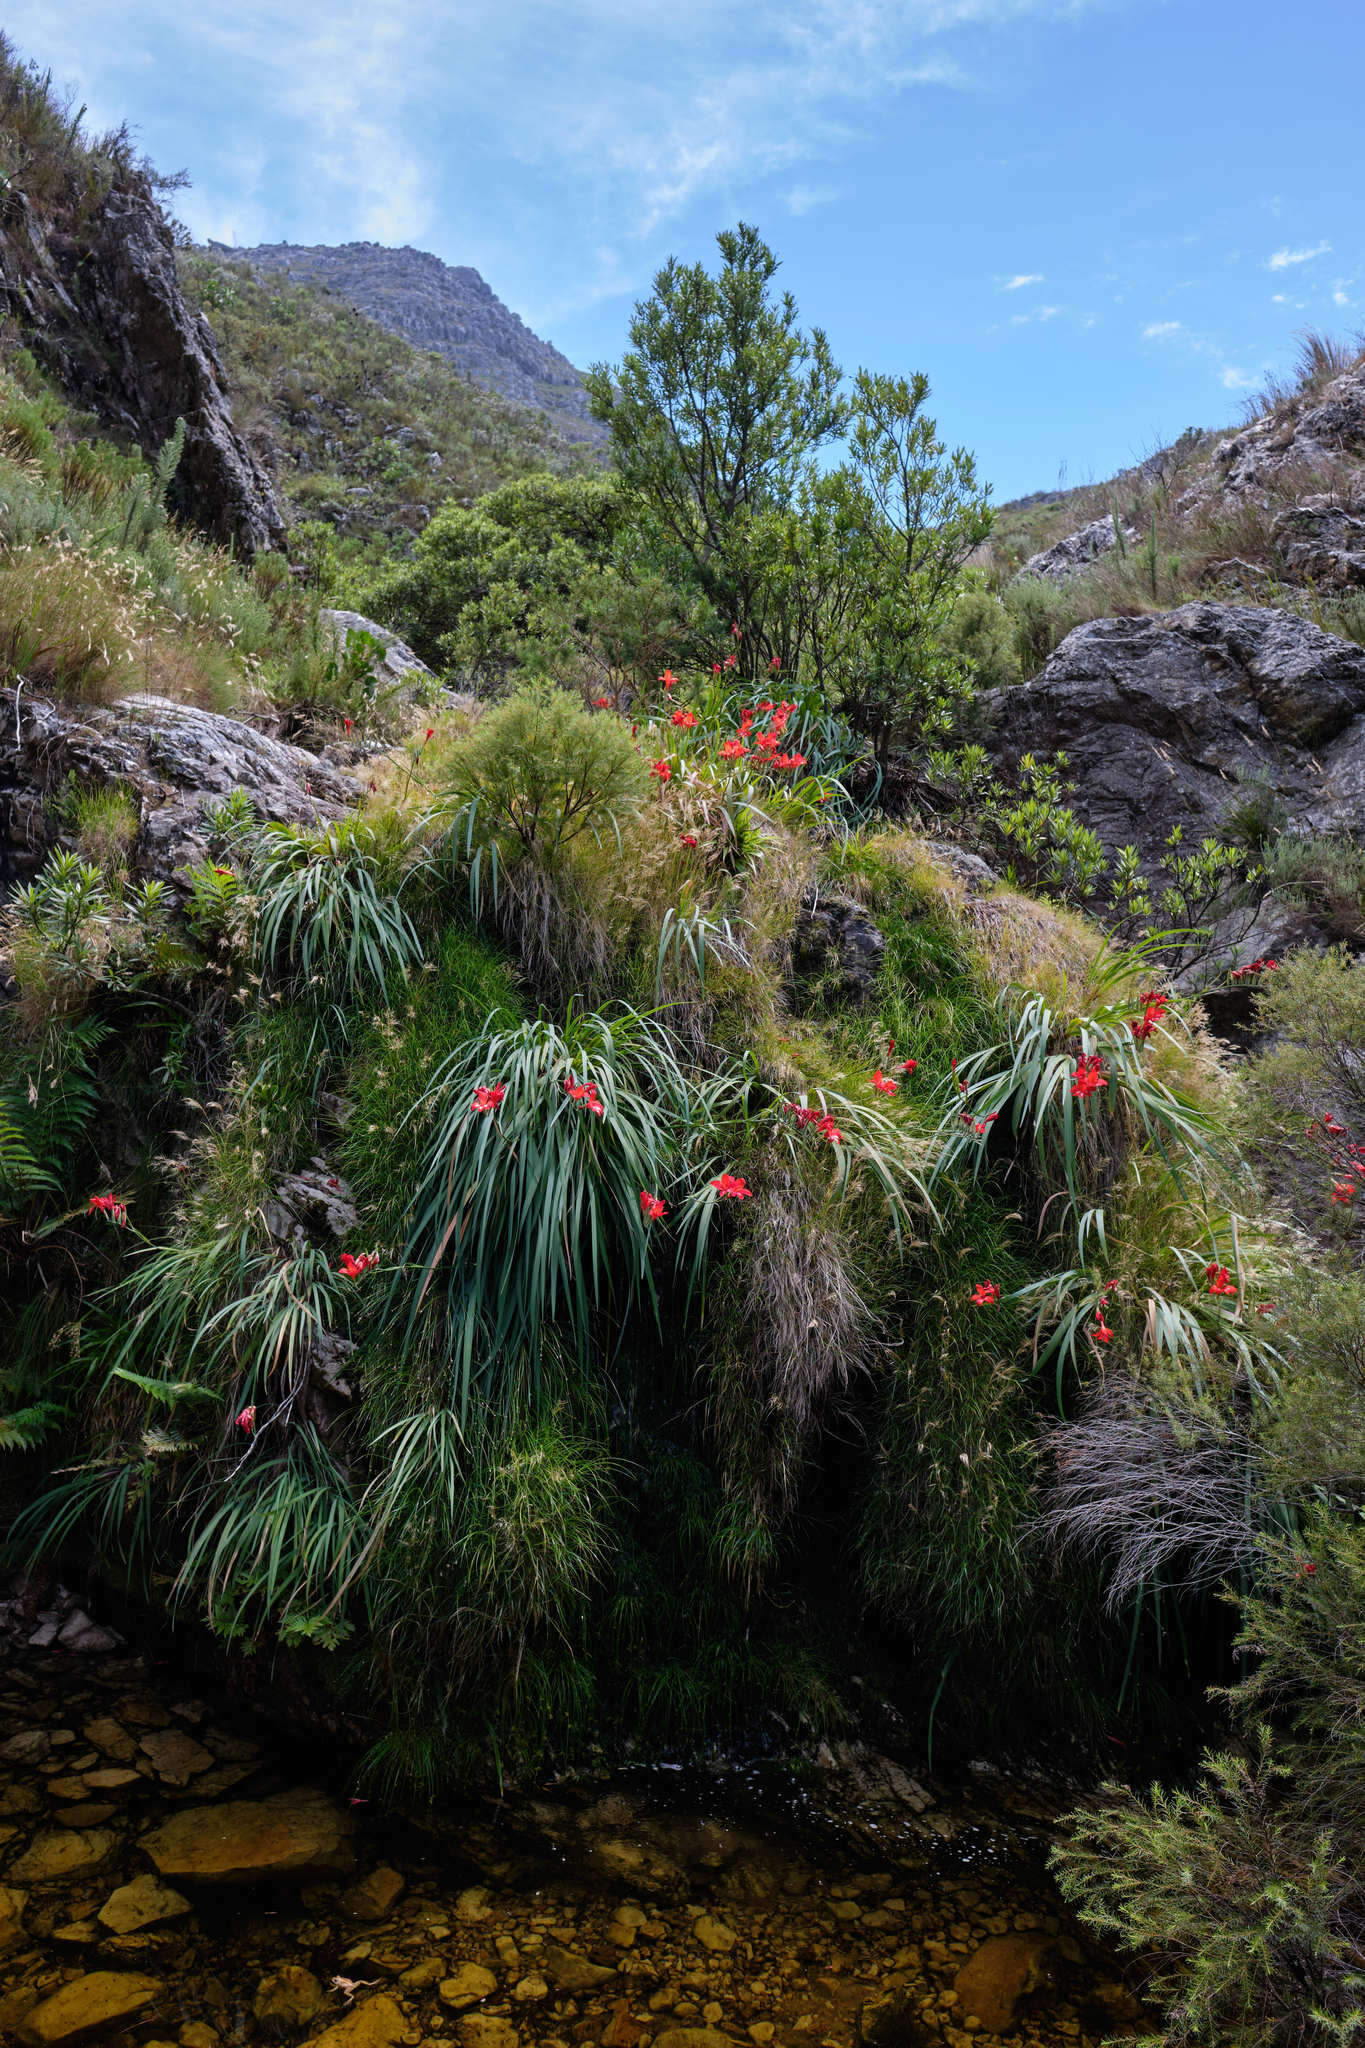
{"x": 197, "y": 2034}
{"x": 893, "y": 2022}
{"x": 146, "y": 1902}
{"x": 87, "y": 2006}
{"x": 295, "y": 1835}
{"x": 527, "y": 1990}
{"x": 692, "y": 2037}
{"x": 373, "y": 1896}
{"x": 111, "y": 1738}
{"x": 84, "y": 1636}
{"x": 76, "y": 1932}
{"x": 467, "y": 1985}
{"x": 377, "y": 2022}
{"x": 486, "y": 2030}
{"x": 1003, "y": 1970}
{"x": 112, "y": 1780}
{"x": 714, "y": 1934}
{"x": 176, "y": 1757}
{"x": 62, "y": 1852}
{"x": 87, "y": 1813}
{"x": 26, "y": 1747}
{"x": 472, "y": 1905}
{"x": 288, "y": 1997}
{"x": 1076, "y": 551}
{"x": 12, "y": 1903}
{"x": 572, "y": 1972}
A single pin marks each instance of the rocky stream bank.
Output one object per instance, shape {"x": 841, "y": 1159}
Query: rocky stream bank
{"x": 170, "y": 1879}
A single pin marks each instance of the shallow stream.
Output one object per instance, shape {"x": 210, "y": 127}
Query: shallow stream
{"x": 168, "y": 1875}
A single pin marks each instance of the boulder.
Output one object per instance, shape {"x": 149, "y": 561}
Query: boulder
{"x": 1076, "y": 551}
{"x": 288, "y": 1997}
{"x": 836, "y": 952}
{"x": 174, "y": 760}
{"x": 12, "y": 1903}
{"x": 295, "y": 1835}
{"x": 572, "y": 1972}
{"x": 1157, "y": 714}
{"x": 146, "y": 1902}
{"x": 377, "y": 2022}
{"x": 62, "y": 1852}
{"x": 714, "y": 1934}
{"x": 467, "y": 1985}
{"x": 692, "y": 2037}
{"x": 394, "y": 666}
{"x": 373, "y": 1896}
{"x": 87, "y": 2006}
{"x": 1004, "y": 1969}
{"x": 175, "y": 1756}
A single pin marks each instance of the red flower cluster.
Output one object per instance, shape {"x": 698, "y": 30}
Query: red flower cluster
{"x": 1218, "y": 1279}
{"x": 652, "y": 1207}
{"x": 732, "y": 750}
{"x": 1253, "y": 967}
{"x": 348, "y": 723}
{"x": 586, "y": 1093}
{"x": 774, "y": 665}
{"x": 735, "y": 633}
{"x": 686, "y": 719}
{"x": 1153, "y": 1011}
{"x": 1089, "y": 1077}
{"x": 732, "y": 661}
{"x": 730, "y": 1184}
{"x": 687, "y": 838}
{"x": 1101, "y": 1332}
{"x": 979, "y": 1125}
{"x": 985, "y": 1293}
{"x": 883, "y": 1083}
{"x": 824, "y": 1123}
{"x": 1343, "y": 1191}
{"x": 602, "y": 703}
{"x": 110, "y": 1206}
{"x": 352, "y": 1268}
{"x": 247, "y": 1419}
{"x": 668, "y": 679}
{"x": 486, "y": 1099}
{"x": 909, "y": 1066}
{"x": 789, "y": 760}
{"x": 662, "y": 771}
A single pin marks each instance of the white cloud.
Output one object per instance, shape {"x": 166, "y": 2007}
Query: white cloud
{"x": 615, "y": 115}
{"x": 1160, "y": 330}
{"x": 1025, "y": 277}
{"x": 1285, "y": 259}
{"x": 1233, "y": 379}
{"x": 1340, "y": 297}
{"x": 1038, "y": 313}
{"x": 804, "y": 198}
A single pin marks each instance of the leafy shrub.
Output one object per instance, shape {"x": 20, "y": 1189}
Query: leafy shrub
{"x": 329, "y": 911}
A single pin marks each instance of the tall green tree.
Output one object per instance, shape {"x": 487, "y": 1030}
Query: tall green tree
{"x": 714, "y": 414}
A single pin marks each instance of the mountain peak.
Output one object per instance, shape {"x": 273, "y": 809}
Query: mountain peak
{"x": 446, "y": 307}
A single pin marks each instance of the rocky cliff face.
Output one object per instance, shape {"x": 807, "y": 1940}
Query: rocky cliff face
{"x": 448, "y": 309}
{"x": 103, "y": 311}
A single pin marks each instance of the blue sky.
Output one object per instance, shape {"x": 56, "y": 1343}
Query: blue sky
{"x": 1092, "y": 222}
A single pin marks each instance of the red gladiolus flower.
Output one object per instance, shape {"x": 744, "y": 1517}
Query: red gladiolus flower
{"x": 978, "y": 1126}
{"x": 431, "y": 734}
{"x": 715, "y": 668}
{"x": 687, "y": 838}
{"x": 985, "y": 1294}
{"x": 668, "y": 679}
{"x": 883, "y": 1083}
{"x": 686, "y": 719}
{"x": 110, "y": 1206}
{"x": 486, "y": 1099}
{"x": 775, "y": 664}
{"x": 1219, "y": 1282}
{"x": 789, "y": 761}
{"x": 1089, "y": 1076}
{"x": 586, "y": 1093}
{"x": 662, "y": 771}
{"x": 356, "y": 1268}
{"x": 1343, "y": 1191}
{"x": 221, "y": 870}
{"x": 802, "y": 1114}
{"x": 729, "y": 1184}
{"x": 961, "y": 1085}
{"x": 1266, "y": 1308}
{"x": 732, "y": 661}
{"x": 247, "y": 1419}
{"x": 735, "y": 633}
{"x": 651, "y": 1207}
{"x": 1308, "y": 1570}
{"x": 347, "y": 723}
{"x": 1101, "y": 1332}
{"x": 602, "y": 703}
{"x": 766, "y": 743}
{"x": 830, "y": 1130}
{"x": 909, "y": 1066}
{"x": 733, "y": 750}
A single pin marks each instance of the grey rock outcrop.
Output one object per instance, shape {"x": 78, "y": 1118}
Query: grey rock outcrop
{"x": 836, "y": 951}
{"x": 1323, "y": 541}
{"x": 175, "y": 761}
{"x": 1320, "y": 435}
{"x": 443, "y": 307}
{"x": 396, "y": 668}
{"x": 105, "y": 313}
{"x": 1075, "y": 551}
{"x": 1158, "y": 715}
